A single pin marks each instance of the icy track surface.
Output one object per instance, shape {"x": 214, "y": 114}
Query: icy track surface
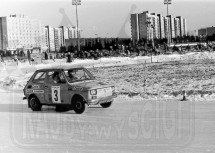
{"x": 128, "y": 126}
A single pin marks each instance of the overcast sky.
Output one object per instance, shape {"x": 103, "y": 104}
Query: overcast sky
{"x": 108, "y": 18}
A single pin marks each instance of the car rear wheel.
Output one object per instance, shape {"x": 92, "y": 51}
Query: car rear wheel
{"x": 106, "y": 105}
{"x": 79, "y": 106}
{"x": 34, "y": 104}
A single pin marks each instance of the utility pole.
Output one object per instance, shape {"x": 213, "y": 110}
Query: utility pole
{"x": 167, "y": 3}
{"x": 76, "y": 3}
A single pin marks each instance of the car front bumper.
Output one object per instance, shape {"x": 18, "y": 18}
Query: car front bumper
{"x": 101, "y": 100}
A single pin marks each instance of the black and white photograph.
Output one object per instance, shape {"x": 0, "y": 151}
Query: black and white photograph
{"x": 107, "y": 76}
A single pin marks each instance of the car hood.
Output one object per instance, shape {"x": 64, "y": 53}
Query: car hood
{"x": 90, "y": 84}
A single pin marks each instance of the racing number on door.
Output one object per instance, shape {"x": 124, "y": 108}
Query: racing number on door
{"x": 56, "y": 94}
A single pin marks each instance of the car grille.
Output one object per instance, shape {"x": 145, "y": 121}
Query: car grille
{"x": 104, "y": 92}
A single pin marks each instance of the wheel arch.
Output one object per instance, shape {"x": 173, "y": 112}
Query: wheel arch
{"x": 77, "y": 96}
{"x": 31, "y": 96}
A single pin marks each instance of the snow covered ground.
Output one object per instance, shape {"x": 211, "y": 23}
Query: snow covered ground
{"x": 165, "y": 78}
{"x": 130, "y": 125}
{"x": 145, "y": 117}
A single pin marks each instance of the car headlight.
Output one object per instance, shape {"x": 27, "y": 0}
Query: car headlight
{"x": 93, "y": 92}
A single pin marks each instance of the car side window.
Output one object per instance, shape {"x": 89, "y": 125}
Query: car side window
{"x": 56, "y": 77}
{"x": 49, "y": 76}
{"x": 39, "y": 77}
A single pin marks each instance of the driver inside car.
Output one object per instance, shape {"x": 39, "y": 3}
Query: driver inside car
{"x": 71, "y": 76}
{"x": 56, "y": 77}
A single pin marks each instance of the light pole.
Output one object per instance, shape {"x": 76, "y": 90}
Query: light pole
{"x": 76, "y": 3}
{"x": 167, "y": 3}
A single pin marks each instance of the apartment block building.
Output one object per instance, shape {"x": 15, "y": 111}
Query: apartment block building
{"x": 209, "y": 31}
{"x": 57, "y": 39}
{"x": 155, "y": 26}
{"x": 185, "y": 27}
{"x": 153, "y": 18}
{"x": 64, "y": 34}
{"x": 50, "y": 38}
{"x": 166, "y": 27}
{"x": 182, "y": 26}
{"x": 135, "y": 27}
{"x": 19, "y": 31}
{"x": 161, "y": 31}
{"x": 171, "y": 26}
{"x": 177, "y": 27}
{"x": 143, "y": 27}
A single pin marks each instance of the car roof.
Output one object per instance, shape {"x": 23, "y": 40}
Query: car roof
{"x": 61, "y": 67}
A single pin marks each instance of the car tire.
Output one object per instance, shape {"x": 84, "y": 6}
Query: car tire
{"x": 34, "y": 104}
{"x": 79, "y": 106}
{"x": 106, "y": 105}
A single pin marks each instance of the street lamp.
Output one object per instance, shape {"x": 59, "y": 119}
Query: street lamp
{"x": 76, "y": 3}
{"x": 167, "y": 3}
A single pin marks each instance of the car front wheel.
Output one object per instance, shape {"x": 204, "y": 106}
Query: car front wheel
{"x": 34, "y": 104}
{"x": 79, "y": 106}
{"x": 106, "y": 105}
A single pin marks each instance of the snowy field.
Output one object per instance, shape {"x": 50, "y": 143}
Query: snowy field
{"x": 165, "y": 78}
{"x": 147, "y": 115}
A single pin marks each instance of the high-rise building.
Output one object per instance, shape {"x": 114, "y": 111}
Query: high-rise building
{"x": 50, "y": 38}
{"x": 177, "y": 27}
{"x": 3, "y": 33}
{"x": 64, "y": 34}
{"x": 57, "y": 39}
{"x": 154, "y": 24}
{"x": 166, "y": 27}
{"x": 150, "y": 26}
{"x": 147, "y": 26}
{"x": 73, "y": 32}
{"x": 171, "y": 26}
{"x": 134, "y": 27}
{"x": 142, "y": 24}
{"x": 19, "y": 31}
{"x": 68, "y": 33}
{"x": 161, "y": 32}
{"x": 182, "y": 26}
{"x": 185, "y": 27}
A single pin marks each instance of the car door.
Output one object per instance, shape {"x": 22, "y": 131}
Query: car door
{"x": 56, "y": 92}
{"x": 37, "y": 86}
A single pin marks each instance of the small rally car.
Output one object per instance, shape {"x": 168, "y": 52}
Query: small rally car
{"x": 73, "y": 88}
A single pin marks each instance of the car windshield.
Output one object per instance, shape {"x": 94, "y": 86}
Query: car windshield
{"x": 77, "y": 75}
